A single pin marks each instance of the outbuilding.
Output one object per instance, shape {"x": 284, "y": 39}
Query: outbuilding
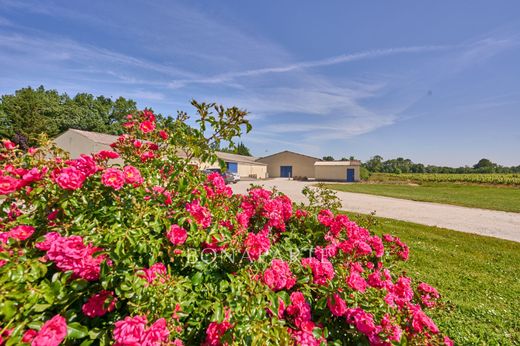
{"x": 78, "y": 142}
{"x": 337, "y": 170}
{"x": 245, "y": 166}
{"x": 289, "y": 164}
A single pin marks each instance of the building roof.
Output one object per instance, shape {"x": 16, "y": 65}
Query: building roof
{"x": 290, "y": 152}
{"x": 338, "y": 163}
{"x": 239, "y": 158}
{"x": 107, "y": 139}
{"x": 97, "y": 137}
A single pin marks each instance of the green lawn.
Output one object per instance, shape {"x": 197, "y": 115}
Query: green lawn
{"x": 476, "y": 196}
{"x": 479, "y": 278}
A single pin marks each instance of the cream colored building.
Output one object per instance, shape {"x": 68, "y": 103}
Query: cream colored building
{"x": 78, "y": 142}
{"x": 337, "y": 170}
{"x": 289, "y": 164}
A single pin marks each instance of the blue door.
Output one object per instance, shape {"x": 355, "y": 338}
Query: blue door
{"x": 350, "y": 174}
{"x": 286, "y": 171}
{"x": 232, "y": 167}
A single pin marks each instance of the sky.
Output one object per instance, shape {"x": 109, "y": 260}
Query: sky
{"x": 437, "y": 82}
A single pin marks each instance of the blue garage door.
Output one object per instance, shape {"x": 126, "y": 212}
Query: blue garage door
{"x": 232, "y": 167}
{"x": 350, "y": 174}
{"x": 286, "y": 171}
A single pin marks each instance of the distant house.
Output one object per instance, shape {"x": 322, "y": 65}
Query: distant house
{"x": 337, "y": 170}
{"x": 288, "y": 164}
{"x": 78, "y": 142}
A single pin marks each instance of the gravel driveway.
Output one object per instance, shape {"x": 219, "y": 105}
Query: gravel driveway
{"x": 491, "y": 223}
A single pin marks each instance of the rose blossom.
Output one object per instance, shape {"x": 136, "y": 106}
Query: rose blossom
{"x": 107, "y": 154}
{"x": 157, "y": 334}
{"x": 29, "y": 335}
{"x": 200, "y": 213}
{"x": 147, "y": 126}
{"x": 279, "y": 276}
{"x": 8, "y": 184}
{"x": 113, "y": 177}
{"x": 256, "y": 245}
{"x": 21, "y": 232}
{"x": 69, "y": 178}
{"x": 163, "y": 134}
{"x": 9, "y": 145}
{"x": 52, "y": 333}
{"x": 337, "y": 305}
{"x": 132, "y": 175}
{"x": 322, "y": 270}
{"x": 177, "y": 235}
{"x": 96, "y": 305}
{"x": 130, "y": 331}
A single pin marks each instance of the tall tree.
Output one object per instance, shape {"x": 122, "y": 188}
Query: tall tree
{"x": 30, "y": 112}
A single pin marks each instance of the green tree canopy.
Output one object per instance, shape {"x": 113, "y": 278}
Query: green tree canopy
{"x": 30, "y": 112}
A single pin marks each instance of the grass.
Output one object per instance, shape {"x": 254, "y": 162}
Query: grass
{"x": 477, "y": 276}
{"x": 475, "y": 196}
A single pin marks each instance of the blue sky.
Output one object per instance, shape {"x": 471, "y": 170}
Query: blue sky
{"x": 437, "y": 82}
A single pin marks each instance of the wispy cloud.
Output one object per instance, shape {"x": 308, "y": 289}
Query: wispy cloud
{"x": 340, "y": 59}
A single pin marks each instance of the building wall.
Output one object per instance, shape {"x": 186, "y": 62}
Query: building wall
{"x": 248, "y": 170}
{"x": 302, "y": 166}
{"x": 76, "y": 144}
{"x": 244, "y": 169}
{"x": 335, "y": 173}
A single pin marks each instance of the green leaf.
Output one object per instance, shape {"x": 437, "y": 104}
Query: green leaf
{"x": 76, "y": 331}
{"x": 196, "y": 279}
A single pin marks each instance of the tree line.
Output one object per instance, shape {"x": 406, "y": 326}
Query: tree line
{"x": 400, "y": 165}
{"x": 32, "y": 111}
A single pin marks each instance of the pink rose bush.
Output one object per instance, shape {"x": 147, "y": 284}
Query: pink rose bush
{"x": 148, "y": 250}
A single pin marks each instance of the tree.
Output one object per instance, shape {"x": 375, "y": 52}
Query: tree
{"x": 239, "y": 149}
{"x": 328, "y": 158}
{"x": 349, "y": 159}
{"x": 484, "y": 163}
{"x": 30, "y": 112}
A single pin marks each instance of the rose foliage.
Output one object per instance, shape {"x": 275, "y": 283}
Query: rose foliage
{"x": 135, "y": 246}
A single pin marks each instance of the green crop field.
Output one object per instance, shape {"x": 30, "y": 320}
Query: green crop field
{"x": 488, "y": 179}
{"x": 474, "y": 196}
{"x": 477, "y": 276}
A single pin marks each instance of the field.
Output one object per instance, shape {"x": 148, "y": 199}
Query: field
{"x": 491, "y": 179}
{"x": 478, "y": 277}
{"x": 474, "y": 196}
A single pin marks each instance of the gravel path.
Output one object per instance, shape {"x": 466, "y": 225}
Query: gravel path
{"x": 498, "y": 224}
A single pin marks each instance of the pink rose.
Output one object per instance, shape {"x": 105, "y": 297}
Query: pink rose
{"x": 147, "y": 126}
{"x": 132, "y": 175}
{"x": 9, "y": 145}
{"x": 337, "y": 305}
{"x": 163, "y": 134}
{"x": 200, "y": 213}
{"x": 8, "y": 184}
{"x": 107, "y": 154}
{"x": 113, "y": 177}
{"x": 96, "y": 305}
{"x": 356, "y": 281}
{"x": 52, "y": 333}
{"x": 256, "y": 245}
{"x": 157, "y": 334}
{"x": 279, "y": 276}
{"x": 29, "y": 335}
{"x": 21, "y": 232}
{"x": 177, "y": 235}
{"x": 69, "y": 178}
{"x": 130, "y": 331}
